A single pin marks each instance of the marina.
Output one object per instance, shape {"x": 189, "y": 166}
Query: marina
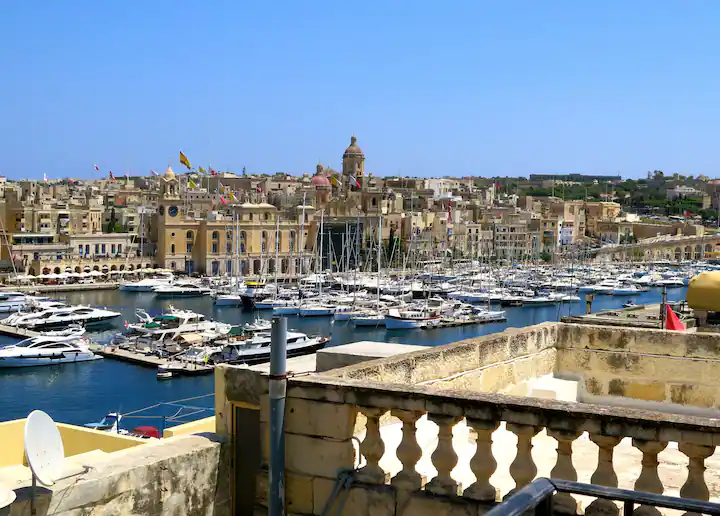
{"x": 79, "y": 393}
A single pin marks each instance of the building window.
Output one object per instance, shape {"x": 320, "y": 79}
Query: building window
{"x": 87, "y": 248}
{"x": 172, "y": 248}
{"x": 215, "y": 235}
{"x": 80, "y": 249}
{"x": 214, "y": 248}
{"x": 119, "y": 248}
{"x": 172, "y": 265}
{"x": 112, "y": 248}
{"x": 228, "y": 235}
{"x": 103, "y": 248}
{"x": 189, "y": 235}
{"x": 97, "y": 248}
{"x": 228, "y": 267}
{"x": 189, "y": 247}
{"x": 228, "y": 247}
{"x": 263, "y": 243}
{"x": 292, "y": 241}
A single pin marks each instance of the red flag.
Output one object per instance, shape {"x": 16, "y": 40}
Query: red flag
{"x": 212, "y": 171}
{"x": 688, "y": 214}
{"x": 222, "y": 200}
{"x": 97, "y": 169}
{"x": 112, "y": 177}
{"x": 672, "y": 321}
{"x": 258, "y": 189}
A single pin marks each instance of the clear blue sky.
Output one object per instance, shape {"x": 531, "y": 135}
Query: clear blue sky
{"x": 429, "y": 88}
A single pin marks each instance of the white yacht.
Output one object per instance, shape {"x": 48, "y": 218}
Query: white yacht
{"x": 148, "y": 284}
{"x": 15, "y": 301}
{"x": 61, "y": 317}
{"x": 316, "y": 310}
{"x": 369, "y": 318}
{"x": 228, "y": 299}
{"x": 256, "y": 349}
{"x": 182, "y": 289}
{"x": 167, "y": 327}
{"x": 46, "y": 350}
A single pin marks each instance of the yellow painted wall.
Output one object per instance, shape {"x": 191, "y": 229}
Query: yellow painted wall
{"x": 76, "y": 440}
{"x": 194, "y": 427}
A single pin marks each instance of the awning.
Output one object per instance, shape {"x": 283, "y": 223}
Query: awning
{"x": 191, "y": 338}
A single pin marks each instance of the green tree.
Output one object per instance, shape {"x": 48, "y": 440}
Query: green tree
{"x": 545, "y": 256}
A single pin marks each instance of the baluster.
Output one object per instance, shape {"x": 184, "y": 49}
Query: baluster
{"x": 372, "y": 447}
{"x": 444, "y": 457}
{"x": 523, "y": 469}
{"x": 604, "y": 475}
{"x": 564, "y": 503}
{"x": 695, "y": 486}
{"x": 649, "y": 481}
{"x": 482, "y": 464}
{"x": 408, "y": 452}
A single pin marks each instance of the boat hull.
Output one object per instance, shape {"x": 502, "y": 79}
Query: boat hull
{"x": 400, "y": 323}
{"x": 228, "y": 301}
{"x": 286, "y": 310}
{"x": 53, "y": 325}
{"x": 263, "y": 354}
{"x": 181, "y": 293}
{"x": 64, "y": 358}
{"x": 374, "y": 322}
{"x": 316, "y": 312}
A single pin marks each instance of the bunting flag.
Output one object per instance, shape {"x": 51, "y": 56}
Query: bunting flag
{"x": 672, "y": 321}
{"x": 221, "y": 187}
{"x": 222, "y": 200}
{"x": 97, "y": 169}
{"x": 202, "y": 170}
{"x": 258, "y": 188}
{"x": 232, "y": 196}
{"x": 354, "y": 182}
{"x": 212, "y": 171}
{"x": 334, "y": 180}
{"x": 184, "y": 160}
{"x": 112, "y": 177}
{"x": 153, "y": 172}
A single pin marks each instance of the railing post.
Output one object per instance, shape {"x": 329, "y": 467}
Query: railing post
{"x": 444, "y": 457}
{"x": 523, "y": 468}
{"x": 372, "y": 447}
{"x": 604, "y": 474}
{"x": 695, "y": 485}
{"x": 564, "y": 503}
{"x": 483, "y": 463}
{"x": 649, "y": 480}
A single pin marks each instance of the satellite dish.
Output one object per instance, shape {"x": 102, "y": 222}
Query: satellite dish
{"x": 43, "y": 447}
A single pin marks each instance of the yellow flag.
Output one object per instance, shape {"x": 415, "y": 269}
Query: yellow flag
{"x": 333, "y": 180}
{"x": 184, "y": 160}
{"x": 191, "y": 183}
{"x": 232, "y": 197}
{"x": 202, "y": 170}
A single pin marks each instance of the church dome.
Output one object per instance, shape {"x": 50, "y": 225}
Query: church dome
{"x": 320, "y": 179}
{"x": 353, "y": 151}
{"x": 169, "y": 174}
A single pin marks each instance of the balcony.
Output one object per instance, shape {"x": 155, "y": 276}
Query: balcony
{"x": 457, "y": 428}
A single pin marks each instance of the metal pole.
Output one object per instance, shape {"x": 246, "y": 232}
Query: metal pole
{"x": 663, "y": 309}
{"x": 277, "y": 388}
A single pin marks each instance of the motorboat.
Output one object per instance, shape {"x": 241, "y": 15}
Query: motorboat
{"x": 61, "y": 317}
{"x": 182, "y": 289}
{"x": 227, "y": 299}
{"x": 163, "y": 279}
{"x": 256, "y": 349}
{"x": 156, "y": 332}
{"x": 110, "y": 424}
{"x": 252, "y": 292}
{"x": 629, "y": 304}
{"x": 626, "y": 290}
{"x": 15, "y": 301}
{"x": 46, "y": 350}
{"x": 405, "y": 319}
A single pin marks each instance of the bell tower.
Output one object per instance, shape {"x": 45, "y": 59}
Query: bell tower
{"x": 353, "y": 163}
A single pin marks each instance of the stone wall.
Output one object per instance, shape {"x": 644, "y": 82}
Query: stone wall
{"x": 182, "y": 475}
{"x": 679, "y": 370}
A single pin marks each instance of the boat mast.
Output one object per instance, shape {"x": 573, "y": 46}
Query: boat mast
{"x": 379, "y": 250}
{"x": 319, "y": 268}
{"x": 277, "y": 252}
{"x": 301, "y": 241}
{"x": 357, "y": 255}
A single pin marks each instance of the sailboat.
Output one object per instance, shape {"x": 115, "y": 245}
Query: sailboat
{"x": 375, "y": 318}
{"x": 232, "y": 297}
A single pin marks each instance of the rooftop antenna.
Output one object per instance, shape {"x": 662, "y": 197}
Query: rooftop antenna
{"x": 45, "y": 453}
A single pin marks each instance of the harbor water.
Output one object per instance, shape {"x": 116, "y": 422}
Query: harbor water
{"x": 85, "y": 392}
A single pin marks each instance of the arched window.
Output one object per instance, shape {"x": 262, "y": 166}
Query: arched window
{"x": 251, "y": 216}
{"x": 374, "y": 201}
{"x": 189, "y": 235}
{"x": 292, "y": 241}
{"x": 267, "y": 216}
{"x": 242, "y": 241}
{"x": 172, "y": 265}
{"x": 263, "y": 243}
{"x": 278, "y": 240}
{"x": 215, "y": 235}
{"x": 172, "y": 248}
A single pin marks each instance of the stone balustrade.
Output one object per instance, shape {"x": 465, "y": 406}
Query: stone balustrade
{"x": 320, "y": 428}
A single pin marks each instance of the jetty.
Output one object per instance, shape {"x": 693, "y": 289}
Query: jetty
{"x": 451, "y": 322}
{"x": 20, "y": 333}
{"x": 147, "y": 360}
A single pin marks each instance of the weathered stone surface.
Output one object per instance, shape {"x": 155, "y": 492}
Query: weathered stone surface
{"x": 360, "y": 500}
{"x": 316, "y": 456}
{"x": 426, "y": 504}
{"x": 298, "y": 492}
{"x": 243, "y": 386}
{"x": 319, "y": 419}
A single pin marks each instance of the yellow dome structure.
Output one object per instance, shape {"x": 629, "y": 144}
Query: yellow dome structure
{"x": 169, "y": 174}
{"x": 704, "y": 292}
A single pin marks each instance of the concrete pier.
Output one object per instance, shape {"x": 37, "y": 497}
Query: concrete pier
{"x": 20, "y": 333}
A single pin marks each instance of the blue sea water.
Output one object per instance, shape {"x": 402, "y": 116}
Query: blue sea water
{"x": 85, "y": 392}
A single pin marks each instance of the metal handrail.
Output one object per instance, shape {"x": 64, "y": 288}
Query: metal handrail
{"x": 538, "y": 495}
